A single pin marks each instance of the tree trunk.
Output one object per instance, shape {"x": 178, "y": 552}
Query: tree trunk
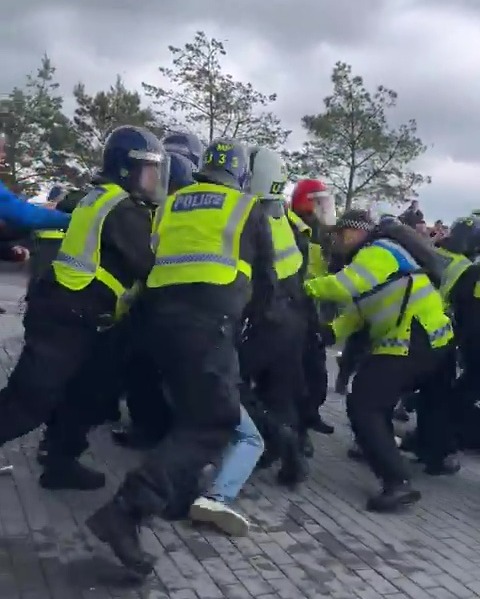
{"x": 348, "y": 201}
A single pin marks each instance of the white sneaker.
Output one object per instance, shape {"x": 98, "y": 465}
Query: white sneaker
{"x": 221, "y": 515}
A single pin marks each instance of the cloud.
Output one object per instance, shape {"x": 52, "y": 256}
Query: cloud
{"x": 427, "y": 50}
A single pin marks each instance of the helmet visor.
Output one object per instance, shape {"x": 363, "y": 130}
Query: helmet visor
{"x": 154, "y": 179}
{"x": 324, "y": 207}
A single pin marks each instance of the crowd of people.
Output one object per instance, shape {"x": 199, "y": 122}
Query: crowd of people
{"x": 413, "y": 217}
{"x": 183, "y": 281}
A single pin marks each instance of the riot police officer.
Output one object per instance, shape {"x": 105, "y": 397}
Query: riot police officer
{"x": 387, "y": 289}
{"x": 460, "y": 287}
{"x": 315, "y": 206}
{"x": 213, "y": 248}
{"x": 150, "y": 414}
{"x": 71, "y": 318}
{"x": 271, "y": 353}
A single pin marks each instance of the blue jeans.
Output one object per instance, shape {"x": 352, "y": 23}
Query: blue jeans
{"x": 239, "y": 460}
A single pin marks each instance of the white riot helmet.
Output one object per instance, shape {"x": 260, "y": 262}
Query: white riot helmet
{"x": 268, "y": 174}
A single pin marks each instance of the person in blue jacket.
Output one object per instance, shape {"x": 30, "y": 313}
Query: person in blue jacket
{"x": 17, "y": 213}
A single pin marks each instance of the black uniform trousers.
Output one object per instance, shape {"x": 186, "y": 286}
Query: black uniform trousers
{"x": 437, "y": 418}
{"x": 149, "y": 409}
{"x": 118, "y": 365}
{"x": 196, "y": 359}
{"x": 58, "y": 343}
{"x": 148, "y": 406}
{"x": 355, "y": 348}
{"x": 271, "y": 355}
{"x": 466, "y": 391}
{"x": 90, "y": 398}
{"x": 316, "y": 377}
{"x": 43, "y": 253}
{"x": 376, "y": 388}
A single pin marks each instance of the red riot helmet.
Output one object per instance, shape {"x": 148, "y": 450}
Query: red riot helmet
{"x": 311, "y": 197}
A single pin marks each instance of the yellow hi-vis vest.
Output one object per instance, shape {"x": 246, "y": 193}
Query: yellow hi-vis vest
{"x": 288, "y": 258}
{"x": 298, "y": 223}
{"x": 454, "y": 267}
{"x": 198, "y": 234}
{"x": 388, "y": 308}
{"x": 50, "y": 234}
{"x": 78, "y": 260}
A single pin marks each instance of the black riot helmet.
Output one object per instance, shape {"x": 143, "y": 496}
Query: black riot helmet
{"x": 464, "y": 237}
{"x": 225, "y": 162}
{"x": 135, "y": 159}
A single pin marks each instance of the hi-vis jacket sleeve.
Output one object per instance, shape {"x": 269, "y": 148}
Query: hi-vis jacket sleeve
{"x": 371, "y": 267}
{"x": 349, "y": 322}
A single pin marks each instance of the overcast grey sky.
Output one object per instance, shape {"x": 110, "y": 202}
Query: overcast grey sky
{"x": 427, "y": 50}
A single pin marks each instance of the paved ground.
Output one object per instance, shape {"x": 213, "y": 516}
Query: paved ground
{"x": 315, "y": 543}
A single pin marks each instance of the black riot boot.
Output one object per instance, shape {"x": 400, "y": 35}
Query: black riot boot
{"x": 69, "y": 473}
{"x": 393, "y": 498}
{"x": 294, "y": 466}
{"x": 446, "y": 466}
{"x": 117, "y": 525}
{"x": 317, "y": 424}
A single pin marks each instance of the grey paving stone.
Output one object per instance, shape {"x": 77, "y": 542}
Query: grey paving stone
{"x": 315, "y": 542}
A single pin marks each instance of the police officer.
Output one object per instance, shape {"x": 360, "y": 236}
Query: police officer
{"x": 214, "y": 248}
{"x": 355, "y": 347}
{"x": 125, "y": 367}
{"x": 106, "y": 250}
{"x": 410, "y": 336}
{"x": 271, "y": 354}
{"x": 314, "y": 205}
{"x": 150, "y": 414}
{"x": 188, "y": 145}
{"x": 460, "y": 288}
{"x": 47, "y": 242}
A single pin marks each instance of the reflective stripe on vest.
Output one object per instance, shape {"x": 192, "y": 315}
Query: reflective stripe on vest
{"x": 78, "y": 261}
{"x": 298, "y": 223}
{"x": 198, "y": 236}
{"x": 373, "y": 306}
{"x": 382, "y": 306}
{"x": 406, "y": 264}
{"x": 288, "y": 258}
{"x": 50, "y": 234}
{"x": 455, "y": 266}
{"x": 445, "y": 331}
